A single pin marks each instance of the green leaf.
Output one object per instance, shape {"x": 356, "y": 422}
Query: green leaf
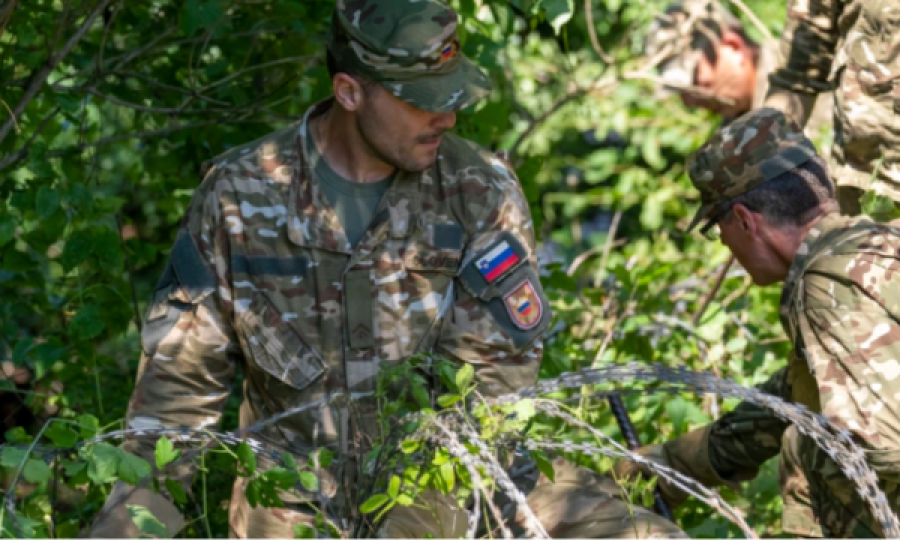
{"x": 447, "y": 474}
{"x": 373, "y": 503}
{"x": 309, "y": 481}
{"x": 7, "y": 229}
{"x": 544, "y": 465}
{"x": 72, "y": 468}
{"x": 409, "y": 446}
{"x": 165, "y": 452}
{"x": 36, "y": 471}
{"x": 86, "y": 324}
{"x": 524, "y": 409}
{"x": 200, "y": 14}
{"x": 558, "y": 12}
{"x": 89, "y": 424}
{"x": 77, "y": 249}
{"x": 393, "y": 487}
{"x": 246, "y": 457}
{"x": 651, "y": 153}
{"x": 133, "y": 468}
{"x": 448, "y": 400}
{"x": 326, "y": 456}
{"x": 61, "y": 435}
{"x": 464, "y": 376}
{"x": 12, "y": 457}
{"x": 146, "y": 522}
{"x": 302, "y": 530}
{"x": 288, "y": 459}
{"x": 420, "y": 394}
{"x": 281, "y": 477}
{"x": 176, "y": 490}
{"x": 46, "y": 202}
{"x": 103, "y": 463}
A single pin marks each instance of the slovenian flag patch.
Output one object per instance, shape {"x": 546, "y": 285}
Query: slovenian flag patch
{"x": 497, "y": 261}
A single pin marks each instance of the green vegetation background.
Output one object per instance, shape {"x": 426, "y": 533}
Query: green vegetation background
{"x": 119, "y": 103}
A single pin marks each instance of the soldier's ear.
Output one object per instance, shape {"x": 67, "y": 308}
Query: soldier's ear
{"x": 348, "y": 91}
{"x": 746, "y": 219}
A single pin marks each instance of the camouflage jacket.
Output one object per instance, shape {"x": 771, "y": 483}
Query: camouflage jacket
{"x": 262, "y": 277}
{"x": 840, "y": 307}
{"x": 850, "y": 46}
{"x": 819, "y": 126}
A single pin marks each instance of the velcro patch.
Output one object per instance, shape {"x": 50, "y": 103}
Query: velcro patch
{"x": 524, "y": 305}
{"x": 497, "y": 262}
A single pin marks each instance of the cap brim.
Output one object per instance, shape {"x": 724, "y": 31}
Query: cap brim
{"x": 448, "y": 92}
{"x": 676, "y": 75}
{"x": 702, "y": 213}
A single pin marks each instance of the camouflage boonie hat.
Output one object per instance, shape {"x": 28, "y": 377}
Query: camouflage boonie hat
{"x": 679, "y": 35}
{"x": 755, "y": 148}
{"x": 410, "y": 47}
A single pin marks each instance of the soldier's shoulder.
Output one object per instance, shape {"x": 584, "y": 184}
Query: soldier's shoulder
{"x": 466, "y": 161}
{"x": 267, "y": 155}
{"x": 256, "y": 167}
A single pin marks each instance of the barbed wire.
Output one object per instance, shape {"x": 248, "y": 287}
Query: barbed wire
{"x": 835, "y": 441}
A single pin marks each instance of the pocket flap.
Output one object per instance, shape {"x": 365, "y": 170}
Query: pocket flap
{"x": 276, "y": 346}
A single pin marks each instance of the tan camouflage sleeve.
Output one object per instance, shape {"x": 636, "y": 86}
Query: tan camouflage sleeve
{"x": 852, "y": 350}
{"x": 499, "y": 310}
{"x": 189, "y": 349}
{"x": 742, "y": 440}
{"x": 808, "y": 46}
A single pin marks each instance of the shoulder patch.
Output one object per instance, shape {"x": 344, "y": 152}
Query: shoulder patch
{"x": 524, "y": 305}
{"x": 499, "y": 259}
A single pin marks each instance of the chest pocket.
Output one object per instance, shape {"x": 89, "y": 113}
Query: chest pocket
{"x": 413, "y": 285}
{"x": 804, "y": 388}
{"x": 273, "y": 344}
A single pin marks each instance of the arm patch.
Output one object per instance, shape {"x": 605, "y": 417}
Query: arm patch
{"x": 515, "y": 296}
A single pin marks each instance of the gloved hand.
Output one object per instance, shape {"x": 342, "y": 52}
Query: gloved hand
{"x": 114, "y": 521}
{"x": 688, "y": 454}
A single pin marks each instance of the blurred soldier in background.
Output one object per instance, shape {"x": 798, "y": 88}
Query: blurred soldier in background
{"x": 706, "y": 56}
{"x": 850, "y": 47}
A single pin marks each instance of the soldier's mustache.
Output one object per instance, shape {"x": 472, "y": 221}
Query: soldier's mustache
{"x": 430, "y": 137}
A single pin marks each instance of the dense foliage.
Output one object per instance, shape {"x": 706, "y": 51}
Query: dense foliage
{"x": 109, "y": 109}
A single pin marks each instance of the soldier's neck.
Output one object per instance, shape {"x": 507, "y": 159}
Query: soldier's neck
{"x": 340, "y": 143}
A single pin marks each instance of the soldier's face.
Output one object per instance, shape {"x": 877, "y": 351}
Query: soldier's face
{"x": 400, "y": 134}
{"x": 726, "y": 74}
{"x": 750, "y": 238}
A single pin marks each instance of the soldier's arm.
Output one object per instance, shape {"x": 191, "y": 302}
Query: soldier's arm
{"x": 808, "y": 47}
{"x": 189, "y": 357}
{"x": 742, "y": 440}
{"x": 499, "y": 310}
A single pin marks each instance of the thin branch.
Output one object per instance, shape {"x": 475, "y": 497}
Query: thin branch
{"x": 6, "y": 13}
{"x": 22, "y": 152}
{"x": 592, "y": 32}
{"x": 236, "y": 74}
{"x": 41, "y": 76}
{"x": 712, "y": 292}
{"x": 753, "y": 18}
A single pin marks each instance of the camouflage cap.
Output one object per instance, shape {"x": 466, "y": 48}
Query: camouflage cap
{"x": 753, "y": 149}
{"x": 411, "y": 47}
{"x": 677, "y": 38}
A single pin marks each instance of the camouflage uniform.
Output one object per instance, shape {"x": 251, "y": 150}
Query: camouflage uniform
{"x": 839, "y": 306}
{"x": 849, "y": 47}
{"x": 678, "y": 36}
{"x": 262, "y": 276}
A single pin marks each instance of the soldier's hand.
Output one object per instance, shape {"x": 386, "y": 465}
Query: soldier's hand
{"x": 626, "y": 471}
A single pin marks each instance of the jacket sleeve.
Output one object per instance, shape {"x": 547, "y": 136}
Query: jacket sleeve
{"x": 499, "y": 310}
{"x": 190, "y": 351}
{"x": 808, "y": 45}
{"x": 188, "y": 362}
{"x": 742, "y": 440}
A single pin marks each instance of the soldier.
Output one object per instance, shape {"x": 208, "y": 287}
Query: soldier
{"x": 850, "y": 47}
{"x": 707, "y": 57}
{"x": 350, "y": 241}
{"x": 767, "y": 194}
